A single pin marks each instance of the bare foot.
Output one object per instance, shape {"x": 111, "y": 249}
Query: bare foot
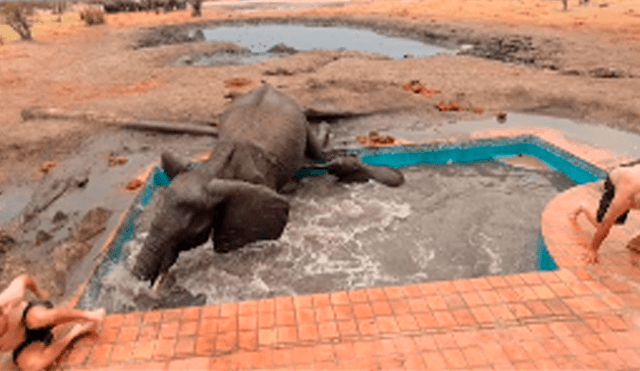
{"x": 82, "y": 329}
{"x": 573, "y": 215}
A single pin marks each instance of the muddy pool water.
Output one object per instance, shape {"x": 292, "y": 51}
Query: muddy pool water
{"x": 447, "y": 222}
{"x": 259, "y": 39}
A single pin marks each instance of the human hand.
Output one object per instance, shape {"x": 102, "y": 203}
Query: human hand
{"x": 591, "y": 256}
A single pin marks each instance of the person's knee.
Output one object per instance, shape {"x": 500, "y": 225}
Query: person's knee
{"x": 31, "y": 361}
{"x": 38, "y": 317}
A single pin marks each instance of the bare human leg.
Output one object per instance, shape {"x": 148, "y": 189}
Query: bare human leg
{"x": 39, "y": 316}
{"x": 37, "y": 356}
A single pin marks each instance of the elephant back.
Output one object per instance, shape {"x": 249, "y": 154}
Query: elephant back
{"x": 267, "y": 119}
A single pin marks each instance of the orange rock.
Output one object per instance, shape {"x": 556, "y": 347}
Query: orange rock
{"x": 451, "y": 106}
{"x": 408, "y": 86}
{"x": 363, "y": 140}
{"x": 237, "y": 82}
{"x": 376, "y": 140}
{"x": 134, "y": 185}
{"x": 115, "y": 161}
{"x": 430, "y": 92}
{"x": 478, "y": 110}
{"x": 418, "y": 88}
{"x": 47, "y": 166}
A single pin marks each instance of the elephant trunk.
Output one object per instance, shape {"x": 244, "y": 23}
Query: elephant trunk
{"x": 151, "y": 258}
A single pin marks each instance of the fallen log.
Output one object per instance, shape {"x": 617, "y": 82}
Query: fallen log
{"x": 166, "y": 127}
{"x": 40, "y": 113}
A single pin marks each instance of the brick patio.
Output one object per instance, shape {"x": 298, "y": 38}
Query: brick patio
{"x": 578, "y": 317}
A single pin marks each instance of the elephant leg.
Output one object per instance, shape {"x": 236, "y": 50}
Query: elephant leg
{"x": 173, "y": 164}
{"x": 316, "y": 143}
{"x": 351, "y": 169}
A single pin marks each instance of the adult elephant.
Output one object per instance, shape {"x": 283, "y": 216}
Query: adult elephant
{"x": 264, "y": 138}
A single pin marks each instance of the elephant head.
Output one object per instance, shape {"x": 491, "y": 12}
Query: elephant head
{"x": 233, "y": 212}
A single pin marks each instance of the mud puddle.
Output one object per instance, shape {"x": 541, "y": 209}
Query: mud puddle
{"x": 55, "y": 229}
{"x": 447, "y": 222}
{"x": 395, "y": 39}
{"x": 263, "y": 42}
{"x": 261, "y": 38}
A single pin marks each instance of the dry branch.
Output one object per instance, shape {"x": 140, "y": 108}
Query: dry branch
{"x": 35, "y": 113}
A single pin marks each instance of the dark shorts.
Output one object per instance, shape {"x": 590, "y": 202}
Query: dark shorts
{"x": 605, "y": 202}
{"x": 43, "y": 335}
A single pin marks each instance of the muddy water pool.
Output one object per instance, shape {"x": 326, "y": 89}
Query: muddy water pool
{"x": 260, "y": 39}
{"x": 447, "y": 222}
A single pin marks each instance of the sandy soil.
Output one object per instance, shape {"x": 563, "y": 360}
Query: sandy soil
{"x": 100, "y": 69}
{"x": 72, "y": 65}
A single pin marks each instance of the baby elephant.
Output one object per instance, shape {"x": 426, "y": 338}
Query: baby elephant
{"x": 264, "y": 138}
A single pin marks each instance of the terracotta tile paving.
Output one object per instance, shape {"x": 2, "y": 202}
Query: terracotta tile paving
{"x": 578, "y": 317}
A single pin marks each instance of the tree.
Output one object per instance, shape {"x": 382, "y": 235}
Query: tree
{"x": 197, "y": 8}
{"x": 15, "y": 15}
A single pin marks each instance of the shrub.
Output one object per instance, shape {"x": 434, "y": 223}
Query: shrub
{"x": 92, "y": 16}
{"x": 197, "y": 8}
{"x": 15, "y": 15}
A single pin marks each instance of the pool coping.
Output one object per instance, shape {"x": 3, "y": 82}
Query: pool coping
{"x": 603, "y": 300}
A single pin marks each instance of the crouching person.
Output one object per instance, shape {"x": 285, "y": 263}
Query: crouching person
{"x": 26, "y": 326}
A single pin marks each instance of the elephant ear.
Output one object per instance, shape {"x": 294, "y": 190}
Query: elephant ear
{"x": 247, "y": 214}
{"x": 173, "y": 164}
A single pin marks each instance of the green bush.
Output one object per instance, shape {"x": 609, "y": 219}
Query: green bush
{"x": 92, "y": 16}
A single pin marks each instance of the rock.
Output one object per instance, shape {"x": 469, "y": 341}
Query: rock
{"x": 67, "y": 253}
{"x": 42, "y": 236}
{"x": 51, "y": 190}
{"x": 47, "y": 166}
{"x": 282, "y": 48}
{"x": 7, "y": 241}
{"x": 81, "y": 180}
{"x": 115, "y": 161}
{"x": 570, "y": 72}
{"x": 501, "y": 117}
{"x": 416, "y": 87}
{"x": 606, "y": 73}
{"x": 278, "y": 71}
{"x": 466, "y": 47}
{"x": 59, "y": 217}
{"x": 134, "y": 184}
{"x": 451, "y": 106}
{"x": 93, "y": 223}
{"x": 238, "y": 82}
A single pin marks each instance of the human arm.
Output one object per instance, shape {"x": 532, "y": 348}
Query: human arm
{"x": 17, "y": 289}
{"x": 622, "y": 201}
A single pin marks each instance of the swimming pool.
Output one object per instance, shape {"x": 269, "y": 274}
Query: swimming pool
{"x": 340, "y": 213}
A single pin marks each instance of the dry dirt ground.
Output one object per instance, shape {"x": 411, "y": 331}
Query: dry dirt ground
{"x": 583, "y": 63}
